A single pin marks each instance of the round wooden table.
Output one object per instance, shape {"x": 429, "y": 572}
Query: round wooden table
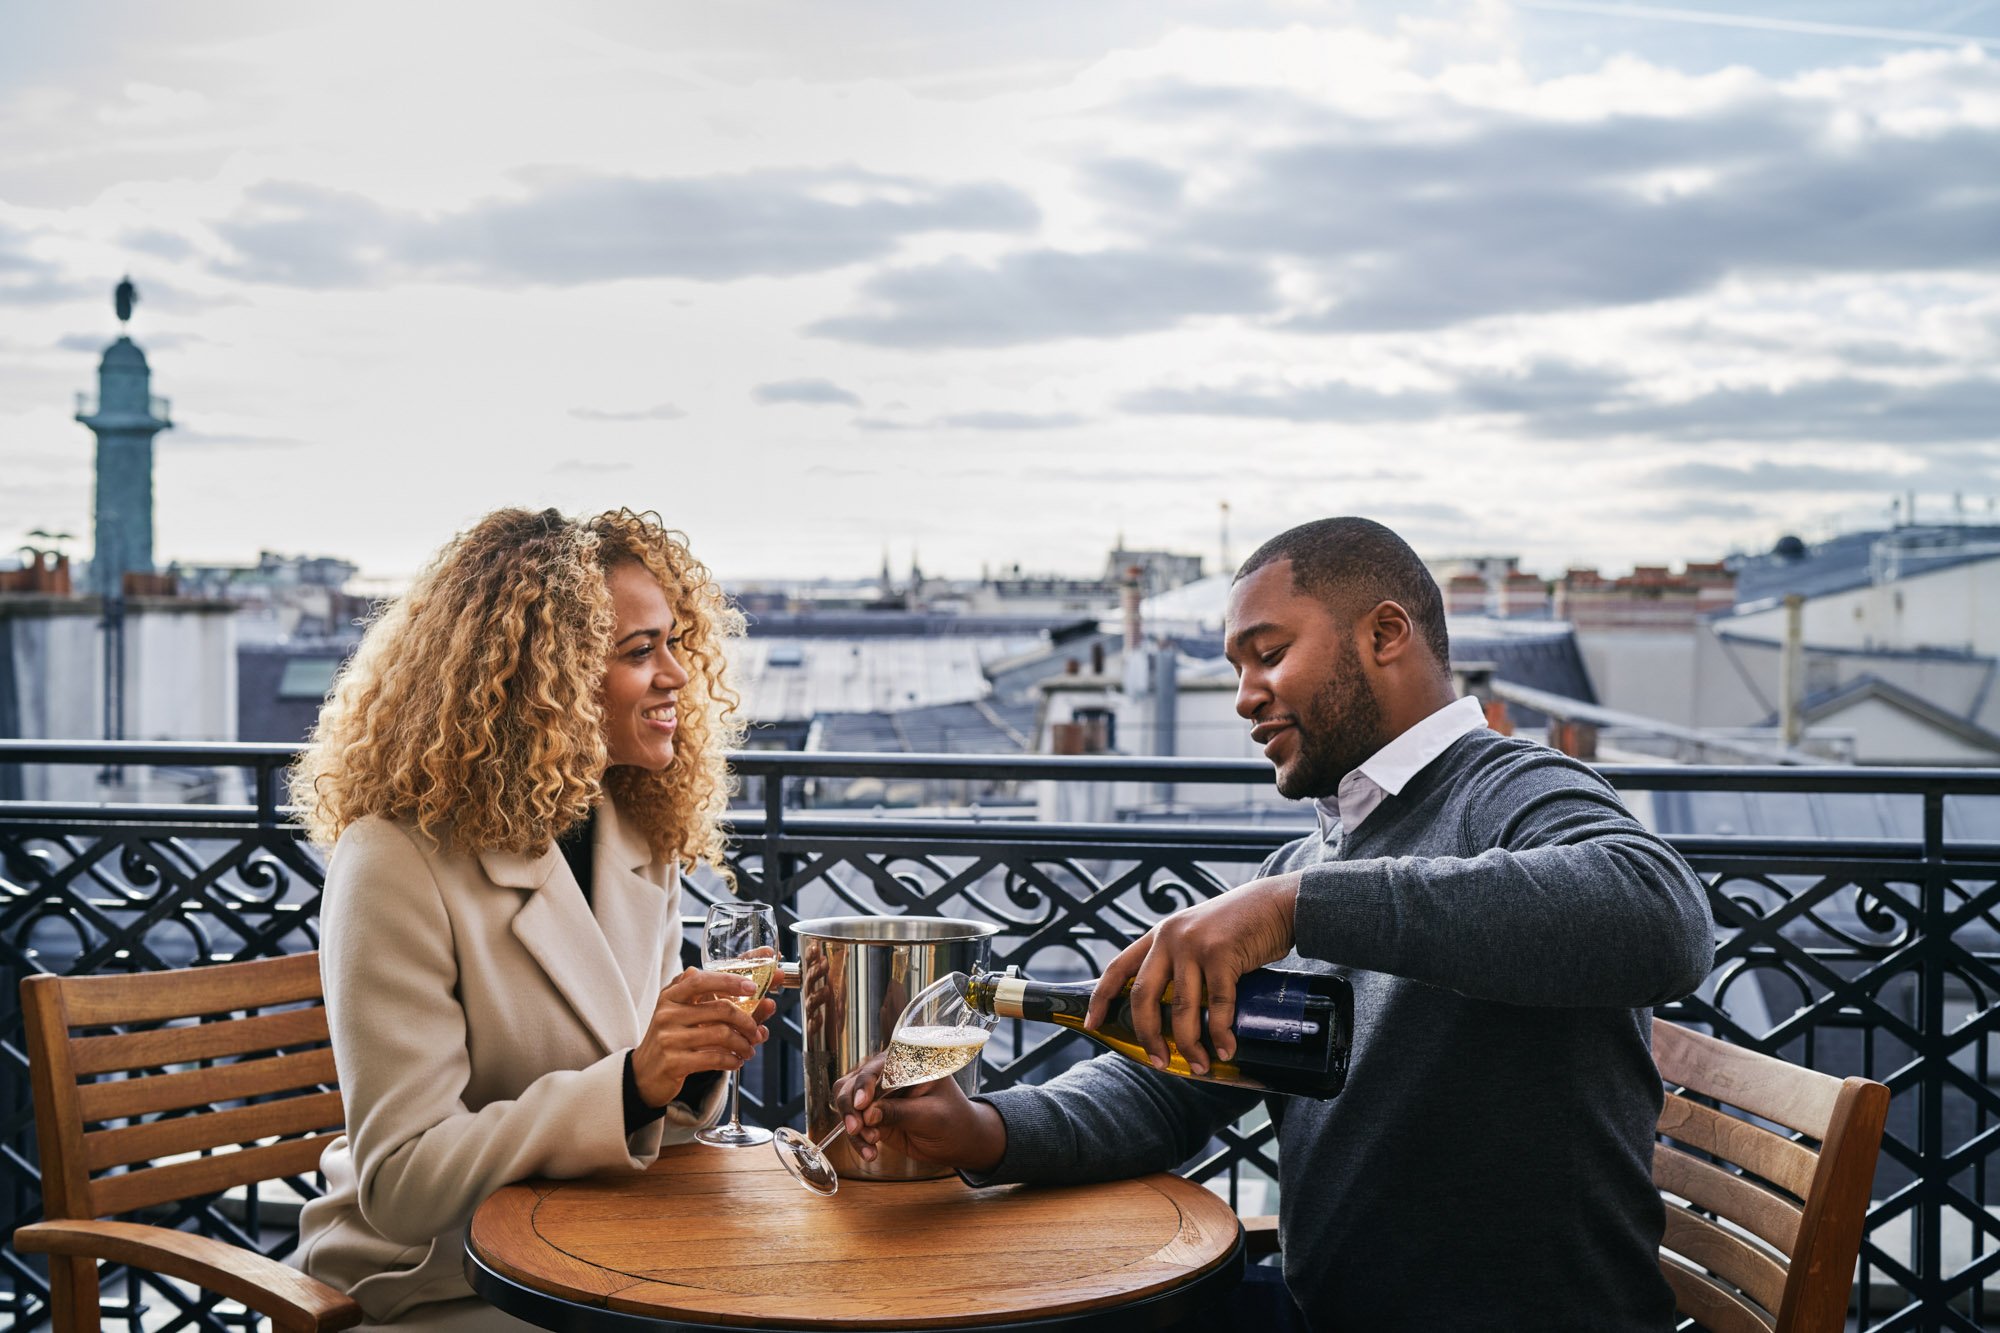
{"x": 715, "y": 1237}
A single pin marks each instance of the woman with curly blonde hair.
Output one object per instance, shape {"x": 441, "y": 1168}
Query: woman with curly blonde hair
{"x": 521, "y": 758}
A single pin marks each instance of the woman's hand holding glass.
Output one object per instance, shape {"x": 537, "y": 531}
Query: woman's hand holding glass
{"x": 740, "y": 939}
{"x": 696, "y": 1026}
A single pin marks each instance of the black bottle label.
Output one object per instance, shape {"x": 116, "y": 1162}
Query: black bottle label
{"x": 1271, "y": 1006}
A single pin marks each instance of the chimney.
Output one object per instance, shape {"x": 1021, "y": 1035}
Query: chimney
{"x": 1465, "y": 595}
{"x": 1576, "y": 739}
{"x": 1791, "y": 670}
{"x": 1475, "y": 679}
{"x": 1129, "y": 595}
{"x": 1166, "y": 709}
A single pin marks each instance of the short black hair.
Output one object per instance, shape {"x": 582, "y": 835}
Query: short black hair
{"x": 1351, "y": 564}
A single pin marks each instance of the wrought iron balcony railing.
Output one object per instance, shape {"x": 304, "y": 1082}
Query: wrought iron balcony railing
{"x": 1858, "y": 915}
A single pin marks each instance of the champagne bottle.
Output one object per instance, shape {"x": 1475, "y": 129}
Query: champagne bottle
{"x": 1292, "y": 1028}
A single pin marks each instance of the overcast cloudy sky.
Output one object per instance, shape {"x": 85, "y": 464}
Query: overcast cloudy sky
{"x": 1591, "y": 282}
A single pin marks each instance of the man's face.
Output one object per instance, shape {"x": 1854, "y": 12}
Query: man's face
{"x": 1300, "y": 682}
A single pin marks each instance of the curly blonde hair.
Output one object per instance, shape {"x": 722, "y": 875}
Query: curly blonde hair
{"x": 473, "y": 706}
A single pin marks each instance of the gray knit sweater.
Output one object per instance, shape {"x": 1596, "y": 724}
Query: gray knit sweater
{"x": 1505, "y": 925}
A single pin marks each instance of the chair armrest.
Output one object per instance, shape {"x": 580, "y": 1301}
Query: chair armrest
{"x": 294, "y": 1302}
{"x": 1260, "y": 1237}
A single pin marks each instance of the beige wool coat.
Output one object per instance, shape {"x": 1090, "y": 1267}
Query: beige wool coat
{"x": 480, "y": 1010}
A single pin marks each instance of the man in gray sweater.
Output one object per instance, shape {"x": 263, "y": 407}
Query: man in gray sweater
{"x": 1506, "y": 926}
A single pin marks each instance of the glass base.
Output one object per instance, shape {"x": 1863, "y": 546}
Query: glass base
{"x": 732, "y": 1136}
{"x": 806, "y": 1162}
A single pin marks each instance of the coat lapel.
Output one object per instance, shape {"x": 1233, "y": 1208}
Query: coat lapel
{"x": 556, "y": 928}
{"x": 637, "y": 915}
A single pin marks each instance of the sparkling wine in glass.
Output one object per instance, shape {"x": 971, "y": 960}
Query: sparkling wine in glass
{"x": 937, "y": 1035}
{"x": 740, "y": 939}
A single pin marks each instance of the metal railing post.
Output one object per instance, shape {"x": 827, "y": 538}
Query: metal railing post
{"x": 778, "y": 1072}
{"x": 1932, "y": 1149}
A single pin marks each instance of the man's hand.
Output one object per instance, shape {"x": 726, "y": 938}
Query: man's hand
{"x": 932, "y": 1122}
{"x": 1202, "y": 950}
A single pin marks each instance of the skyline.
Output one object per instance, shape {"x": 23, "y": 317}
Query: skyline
{"x": 1590, "y": 283}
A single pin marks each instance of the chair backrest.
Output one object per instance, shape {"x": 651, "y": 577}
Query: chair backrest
{"x": 131, "y": 1070}
{"x": 1803, "y": 1205}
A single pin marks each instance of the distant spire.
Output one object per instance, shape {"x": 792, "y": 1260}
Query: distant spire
{"x": 126, "y": 296}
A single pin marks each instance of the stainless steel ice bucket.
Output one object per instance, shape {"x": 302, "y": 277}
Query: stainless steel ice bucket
{"x": 855, "y": 975}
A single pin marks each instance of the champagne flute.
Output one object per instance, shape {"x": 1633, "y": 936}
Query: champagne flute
{"x": 937, "y": 1035}
{"x": 740, "y": 939}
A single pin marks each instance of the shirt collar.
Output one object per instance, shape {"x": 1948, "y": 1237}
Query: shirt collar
{"x": 1387, "y": 771}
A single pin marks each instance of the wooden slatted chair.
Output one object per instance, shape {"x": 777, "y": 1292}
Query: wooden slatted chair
{"x": 157, "y": 1131}
{"x": 1805, "y": 1206}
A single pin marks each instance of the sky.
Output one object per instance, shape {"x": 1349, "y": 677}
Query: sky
{"x": 1589, "y": 283}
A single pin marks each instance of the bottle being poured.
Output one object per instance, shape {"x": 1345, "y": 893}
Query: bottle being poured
{"x": 1292, "y": 1028}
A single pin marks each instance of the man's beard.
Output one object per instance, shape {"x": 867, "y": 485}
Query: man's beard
{"x": 1337, "y": 731}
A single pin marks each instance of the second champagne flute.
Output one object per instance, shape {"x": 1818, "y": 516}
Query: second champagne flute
{"x": 742, "y": 939}
{"x": 937, "y": 1035}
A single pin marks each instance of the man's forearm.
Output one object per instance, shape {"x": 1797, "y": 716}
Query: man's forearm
{"x": 1614, "y": 921}
{"x": 1105, "y": 1119}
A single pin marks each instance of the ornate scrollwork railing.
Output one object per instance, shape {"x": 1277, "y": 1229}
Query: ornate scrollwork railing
{"x": 1878, "y": 956}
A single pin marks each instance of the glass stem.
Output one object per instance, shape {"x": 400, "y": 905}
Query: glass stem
{"x": 736, "y": 1099}
{"x": 841, "y": 1128}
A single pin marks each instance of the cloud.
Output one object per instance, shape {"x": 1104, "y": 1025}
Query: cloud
{"x": 991, "y": 421}
{"x": 1543, "y": 386}
{"x": 1432, "y": 511}
{"x": 96, "y": 342}
{"x": 591, "y": 466}
{"x": 1843, "y": 408}
{"x": 27, "y": 280}
{"x": 148, "y": 106}
{"x": 569, "y": 230}
{"x": 1330, "y": 400}
{"x": 153, "y": 241}
{"x": 1135, "y": 182}
{"x": 1771, "y": 476}
{"x": 1875, "y": 353}
{"x": 804, "y": 391}
{"x": 1562, "y": 400}
{"x": 1042, "y": 295}
{"x": 1453, "y": 213}
{"x": 303, "y": 236}
{"x": 183, "y": 437}
{"x": 659, "y": 412}
{"x": 1883, "y": 354}
{"x": 1695, "y": 507}
{"x": 1013, "y": 421}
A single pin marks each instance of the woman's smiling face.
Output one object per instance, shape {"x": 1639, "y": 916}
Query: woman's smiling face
{"x": 643, "y": 676}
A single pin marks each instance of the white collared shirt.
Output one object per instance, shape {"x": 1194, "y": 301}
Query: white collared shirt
{"x": 1389, "y": 769}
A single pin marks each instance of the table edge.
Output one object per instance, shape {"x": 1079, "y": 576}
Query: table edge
{"x": 1147, "y": 1314}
